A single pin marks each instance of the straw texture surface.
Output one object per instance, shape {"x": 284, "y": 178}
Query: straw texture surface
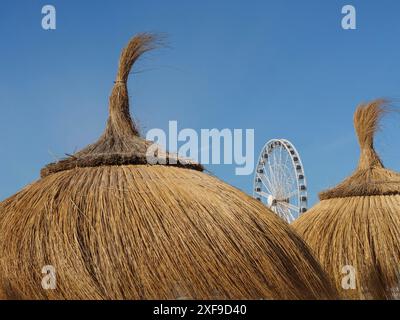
{"x": 150, "y": 232}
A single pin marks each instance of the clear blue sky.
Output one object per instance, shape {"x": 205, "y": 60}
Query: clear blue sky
{"x": 285, "y": 68}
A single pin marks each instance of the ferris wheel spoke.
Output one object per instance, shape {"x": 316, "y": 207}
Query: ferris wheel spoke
{"x": 289, "y": 173}
{"x": 279, "y": 170}
{"x": 280, "y": 183}
{"x": 284, "y": 168}
{"x": 280, "y": 212}
{"x": 286, "y": 179}
{"x": 286, "y": 161}
{"x": 285, "y": 187}
{"x": 263, "y": 194}
{"x": 277, "y": 179}
{"x": 291, "y": 217}
{"x": 278, "y": 167}
{"x": 292, "y": 194}
{"x": 269, "y": 178}
{"x": 282, "y": 191}
{"x": 285, "y": 213}
{"x": 290, "y": 184}
{"x": 290, "y": 206}
{"x": 264, "y": 181}
{"x": 271, "y": 171}
{"x": 272, "y": 180}
{"x": 268, "y": 181}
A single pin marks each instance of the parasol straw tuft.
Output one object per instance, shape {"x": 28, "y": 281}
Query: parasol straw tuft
{"x": 370, "y": 178}
{"x": 115, "y": 226}
{"x": 366, "y": 121}
{"x": 357, "y": 223}
{"x": 120, "y": 143}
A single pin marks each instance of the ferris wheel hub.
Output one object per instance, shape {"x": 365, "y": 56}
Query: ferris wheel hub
{"x": 271, "y": 201}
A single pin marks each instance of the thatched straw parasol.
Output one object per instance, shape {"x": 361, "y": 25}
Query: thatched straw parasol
{"x": 357, "y": 223}
{"x": 115, "y": 227}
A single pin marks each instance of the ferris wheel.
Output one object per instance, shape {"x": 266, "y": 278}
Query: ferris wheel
{"x": 279, "y": 180}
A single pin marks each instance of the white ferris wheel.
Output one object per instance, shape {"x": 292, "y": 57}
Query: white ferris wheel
{"x": 279, "y": 180}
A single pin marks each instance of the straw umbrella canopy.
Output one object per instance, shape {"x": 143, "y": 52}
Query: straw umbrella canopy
{"x": 114, "y": 226}
{"x": 355, "y": 229}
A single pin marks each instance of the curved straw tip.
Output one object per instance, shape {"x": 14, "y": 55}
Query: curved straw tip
{"x": 366, "y": 124}
{"x": 366, "y": 119}
{"x": 146, "y": 41}
{"x": 136, "y": 47}
{"x": 378, "y": 106}
{"x": 155, "y": 37}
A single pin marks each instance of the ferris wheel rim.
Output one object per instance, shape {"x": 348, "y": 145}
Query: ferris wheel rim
{"x": 297, "y": 169}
